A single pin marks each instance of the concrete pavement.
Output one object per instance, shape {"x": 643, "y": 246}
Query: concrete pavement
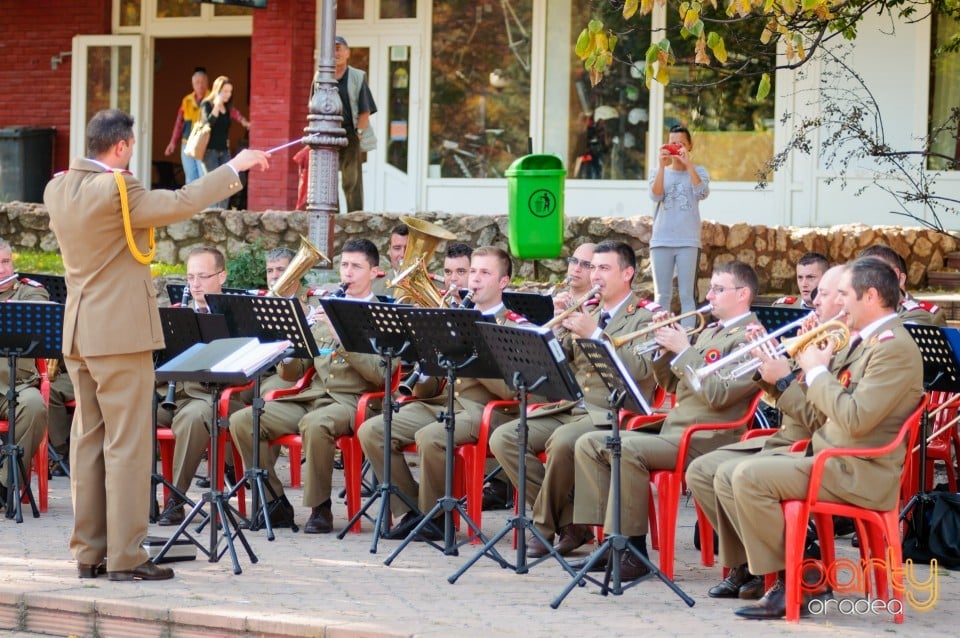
{"x": 316, "y": 585}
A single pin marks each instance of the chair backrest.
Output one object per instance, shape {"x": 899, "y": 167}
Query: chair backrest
{"x": 910, "y": 430}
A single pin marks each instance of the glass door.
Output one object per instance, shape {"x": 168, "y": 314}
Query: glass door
{"x": 107, "y": 73}
{"x": 390, "y": 172}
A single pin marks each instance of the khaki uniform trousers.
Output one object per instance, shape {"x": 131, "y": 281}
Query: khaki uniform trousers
{"x": 191, "y": 433}
{"x": 552, "y": 511}
{"x": 751, "y": 497}
{"x": 642, "y": 453}
{"x": 110, "y": 457}
{"x": 319, "y": 429}
{"x": 61, "y": 391}
{"x": 30, "y": 427}
{"x": 416, "y": 423}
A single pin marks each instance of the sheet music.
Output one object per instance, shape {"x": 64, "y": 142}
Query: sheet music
{"x": 251, "y": 356}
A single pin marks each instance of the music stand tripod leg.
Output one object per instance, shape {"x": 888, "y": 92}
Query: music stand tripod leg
{"x": 616, "y": 544}
{"x": 448, "y": 503}
{"x": 386, "y": 488}
{"x": 519, "y": 523}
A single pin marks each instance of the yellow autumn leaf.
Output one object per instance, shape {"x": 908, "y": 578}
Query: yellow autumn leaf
{"x": 629, "y": 8}
{"x": 663, "y": 76}
{"x": 767, "y": 33}
{"x": 719, "y": 50}
{"x": 600, "y": 41}
{"x": 763, "y": 89}
{"x": 691, "y": 18}
{"x": 701, "y": 51}
{"x": 789, "y": 6}
{"x": 583, "y": 44}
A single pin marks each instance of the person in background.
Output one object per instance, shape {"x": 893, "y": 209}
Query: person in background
{"x": 358, "y": 106}
{"x": 187, "y": 116}
{"x": 217, "y": 111}
{"x": 677, "y": 187}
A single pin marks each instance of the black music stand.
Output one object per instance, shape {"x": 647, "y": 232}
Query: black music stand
{"x": 365, "y": 327}
{"x": 175, "y": 292}
{"x": 267, "y": 319}
{"x": 27, "y": 329}
{"x": 55, "y": 285}
{"x": 775, "y": 317}
{"x": 530, "y": 360}
{"x": 536, "y": 308}
{"x": 450, "y": 344}
{"x": 941, "y": 373}
{"x": 205, "y": 363}
{"x": 603, "y": 357}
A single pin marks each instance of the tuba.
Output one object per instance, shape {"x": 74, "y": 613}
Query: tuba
{"x": 306, "y": 258}
{"x": 414, "y": 283}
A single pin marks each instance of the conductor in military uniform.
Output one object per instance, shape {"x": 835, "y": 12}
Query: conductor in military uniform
{"x": 31, "y": 410}
{"x": 111, "y": 326}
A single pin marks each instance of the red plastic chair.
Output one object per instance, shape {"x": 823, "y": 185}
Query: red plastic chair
{"x": 40, "y": 461}
{"x": 669, "y": 484}
{"x": 945, "y": 446}
{"x": 879, "y": 531}
{"x": 166, "y": 442}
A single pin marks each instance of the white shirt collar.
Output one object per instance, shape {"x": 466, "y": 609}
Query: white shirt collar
{"x": 867, "y": 332}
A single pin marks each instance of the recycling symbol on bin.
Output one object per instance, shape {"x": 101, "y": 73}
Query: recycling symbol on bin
{"x": 542, "y": 203}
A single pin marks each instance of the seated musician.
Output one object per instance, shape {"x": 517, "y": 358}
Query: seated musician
{"x": 733, "y": 287}
{"x": 810, "y": 268}
{"x": 799, "y": 421}
{"x": 190, "y": 421}
{"x": 909, "y": 309}
{"x": 880, "y": 385}
{"x": 325, "y": 409}
{"x": 490, "y": 271}
{"x": 579, "y": 273}
{"x": 456, "y": 270}
{"x": 277, "y": 262}
{"x": 31, "y": 423}
{"x": 397, "y": 246}
{"x": 555, "y": 428}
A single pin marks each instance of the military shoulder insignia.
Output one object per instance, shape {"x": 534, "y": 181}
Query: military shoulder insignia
{"x": 122, "y": 171}
{"x": 711, "y": 355}
{"x": 788, "y": 299}
{"x": 381, "y": 274}
{"x": 60, "y": 173}
{"x": 649, "y": 304}
{"x": 886, "y": 334}
{"x": 929, "y": 306}
{"x": 31, "y": 282}
{"x": 909, "y": 304}
{"x": 515, "y": 317}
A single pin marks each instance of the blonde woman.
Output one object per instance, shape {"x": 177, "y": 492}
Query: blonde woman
{"x": 217, "y": 110}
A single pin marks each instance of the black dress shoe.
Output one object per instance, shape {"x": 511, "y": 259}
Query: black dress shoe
{"x": 752, "y": 589}
{"x": 203, "y": 482}
{"x": 402, "y": 529}
{"x": 320, "y": 521}
{"x": 855, "y": 540}
{"x": 281, "y": 514}
{"x": 572, "y": 537}
{"x": 90, "y": 571}
{"x": 631, "y": 568}
{"x": 432, "y": 531}
{"x": 729, "y": 587}
{"x": 772, "y": 605}
{"x": 497, "y": 495}
{"x": 172, "y": 513}
{"x": 599, "y": 566}
{"x": 145, "y": 571}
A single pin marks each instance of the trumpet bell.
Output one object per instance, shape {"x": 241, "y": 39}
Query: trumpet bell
{"x": 306, "y": 258}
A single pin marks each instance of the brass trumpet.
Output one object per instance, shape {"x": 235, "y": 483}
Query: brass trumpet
{"x": 833, "y": 332}
{"x": 557, "y": 319}
{"x": 557, "y": 286}
{"x": 650, "y": 345}
{"x": 306, "y": 258}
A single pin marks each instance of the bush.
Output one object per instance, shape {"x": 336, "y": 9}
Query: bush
{"x": 246, "y": 269}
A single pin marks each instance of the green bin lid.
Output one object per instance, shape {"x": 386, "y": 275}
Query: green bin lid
{"x": 542, "y": 164}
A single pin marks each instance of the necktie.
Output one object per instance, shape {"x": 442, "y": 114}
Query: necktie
{"x": 604, "y": 319}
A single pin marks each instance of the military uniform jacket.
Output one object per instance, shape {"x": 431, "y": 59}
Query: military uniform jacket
{"x": 879, "y": 387}
{"x": 106, "y": 286}
{"x": 27, "y": 376}
{"x": 632, "y": 315}
{"x": 719, "y": 400}
{"x": 924, "y": 313}
{"x": 341, "y": 376}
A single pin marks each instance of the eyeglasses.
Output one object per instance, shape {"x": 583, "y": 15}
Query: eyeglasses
{"x": 583, "y": 263}
{"x": 719, "y": 290}
{"x": 193, "y": 278}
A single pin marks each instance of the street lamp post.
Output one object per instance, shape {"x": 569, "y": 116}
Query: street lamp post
{"x": 325, "y": 136}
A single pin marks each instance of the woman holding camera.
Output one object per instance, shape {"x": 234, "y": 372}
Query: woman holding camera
{"x": 677, "y": 186}
{"x": 217, "y": 111}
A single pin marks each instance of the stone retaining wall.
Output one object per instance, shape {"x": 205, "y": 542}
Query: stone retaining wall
{"x": 773, "y": 250}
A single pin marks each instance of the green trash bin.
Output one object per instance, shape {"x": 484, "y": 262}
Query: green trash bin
{"x": 535, "y": 190}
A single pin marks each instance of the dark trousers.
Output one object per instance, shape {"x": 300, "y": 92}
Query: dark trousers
{"x": 351, "y": 165}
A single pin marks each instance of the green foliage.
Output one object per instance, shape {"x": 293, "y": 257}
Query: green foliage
{"x": 246, "y": 269}
{"x": 39, "y": 262}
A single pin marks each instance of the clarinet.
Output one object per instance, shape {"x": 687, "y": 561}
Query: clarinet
{"x": 169, "y": 402}
{"x": 341, "y": 290}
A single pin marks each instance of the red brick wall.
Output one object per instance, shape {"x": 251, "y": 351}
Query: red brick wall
{"x": 282, "y": 68}
{"x": 30, "y": 34}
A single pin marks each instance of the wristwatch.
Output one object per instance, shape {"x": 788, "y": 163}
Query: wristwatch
{"x": 784, "y": 383}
